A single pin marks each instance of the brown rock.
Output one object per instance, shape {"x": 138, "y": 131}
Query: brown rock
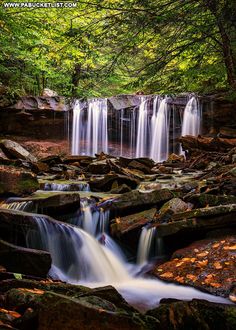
{"x": 14, "y": 150}
{"x": 16, "y": 181}
{"x": 206, "y": 264}
{"x": 175, "y": 205}
{"x": 24, "y": 261}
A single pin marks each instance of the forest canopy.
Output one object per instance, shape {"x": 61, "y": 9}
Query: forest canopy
{"x": 102, "y": 48}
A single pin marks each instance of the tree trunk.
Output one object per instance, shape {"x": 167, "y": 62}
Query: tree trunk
{"x": 75, "y": 78}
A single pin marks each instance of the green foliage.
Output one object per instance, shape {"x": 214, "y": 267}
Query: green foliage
{"x": 109, "y": 47}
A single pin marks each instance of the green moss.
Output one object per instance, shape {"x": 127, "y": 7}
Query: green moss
{"x": 28, "y": 185}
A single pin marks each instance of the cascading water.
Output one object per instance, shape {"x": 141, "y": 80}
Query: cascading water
{"x": 19, "y": 206}
{"x": 91, "y": 219}
{"x": 78, "y": 258}
{"x": 145, "y": 241}
{"x": 192, "y": 118}
{"x": 78, "y": 131}
{"x": 143, "y": 129}
{"x": 90, "y": 134}
{"x": 83, "y": 186}
{"x": 97, "y": 134}
{"x": 160, "y": 137}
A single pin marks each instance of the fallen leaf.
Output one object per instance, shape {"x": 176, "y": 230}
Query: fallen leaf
{"x": 203, "y": 254}
{"x": 217, "y": 265}
{"x": 167, "y": 275}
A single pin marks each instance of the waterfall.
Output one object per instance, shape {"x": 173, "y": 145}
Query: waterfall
{"x": 91, "y": 219}
{"x": 97, "y": 135}
{"x": 89, "y": 135}
{"x": 160, "y": 138}
{"x": 78, "y": 131}
{"x": 79, "y": 258}
{"x": 51, "y": 186}
{"x": 143, "y": 129}
{"x": 19, "y": 206}
{"x": 192, "y": 118}
{"x": 145, "y": 242}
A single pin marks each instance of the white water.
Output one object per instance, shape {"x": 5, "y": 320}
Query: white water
{"x": 78, "y": 132}
{"x": 78, "y": 258}
{"x": 160, "y": 136}
{"x": 89, "y": 135}
{"x": 192, "y": 118}
{"x": 20, "y": 206}
{"x": 83, "y": 186}
{"x": 144, "y": 246}
{"x": 97, "y": 135}
{"x": 93, "y": 220}
{"x": 143, "y": 129}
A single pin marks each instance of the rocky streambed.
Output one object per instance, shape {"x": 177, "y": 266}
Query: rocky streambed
{"x": 191, "y": 205}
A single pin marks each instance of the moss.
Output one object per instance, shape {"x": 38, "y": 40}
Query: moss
{"x": 28, "y": 185}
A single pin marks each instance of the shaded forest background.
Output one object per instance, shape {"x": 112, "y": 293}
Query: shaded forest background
{"x": 102, "y": 48}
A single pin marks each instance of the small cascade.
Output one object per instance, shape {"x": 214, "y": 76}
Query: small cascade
{"x": 192, "y": 118}
{"x": 160, "y": 137}
{"x": 143, "y": 129}
{"x": 78, "y": 131}
{"x": 145, "y": 242}
{"x": 79, "y": 258}
{"x": 97, "y": 134}
{"x": 156, "y": 104}
{"x": 27, "y": 206}
{"x": 76, "y": 256}
{"x": 91, "y": 219}
{"x": 51, "y": 186}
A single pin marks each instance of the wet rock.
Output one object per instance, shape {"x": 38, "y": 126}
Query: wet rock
{"x": 199, "y": 220}
{"x": 51, "y": 160}
{"x": 82, "y": 313}
{"x": 203, "y": 200}
{"x": 136, "y": 200}
{"x": 111, "y": 181}
{"x": 137, "y": 165}
{"x": 99, "y": 167}
{"x": 173, "y": 158}
{"x": 15, "y": 151}
{"x": 120, "y": 189}
{"x": 175, "y": 205}
{"x": 208, "y": 265}
{"x": 40, "y": 167}
{"x": 16, "y": 181}
{"x": 58, "y": 203}
{"x": 228, "y": 132}
{"x": 24, "y": 261}
{"x": 194, "y": 315}
{"x": 123, "y": 225}
{"x": 84, "y": 161}
{"x": 165, "y": 170}
{"x": 53, "y": 103}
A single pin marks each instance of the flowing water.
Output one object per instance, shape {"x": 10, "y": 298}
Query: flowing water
{"x": 53, "y": 186}
{"x": 79, "y": 258}
{"x": 145, "y": 242}
{"x": 192, "y": 118}
{"x": 143, "y": 129}
{"x": 90, "y": 134}
{"x": 160, "y": 136}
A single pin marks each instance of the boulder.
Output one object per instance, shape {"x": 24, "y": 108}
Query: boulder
{"x": 83, "y": 313}
{"x": 99, "y": 167}
{"x": 136, "y": 200}
{"x": 17, "y": 181}
{"x": 203, "y": 200}
{"x": 111, "y": 181}
{"x": 21, "y": 260}
{"x": 131, "y": 223}
{"x": 207, "y": 265}
{"x": 173, "y": 206}
{"x": 194, "y": 315}
{"x": 15, "y": 151}
{"x": 137, "y": 165}
{"x": 120, "y": 189}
